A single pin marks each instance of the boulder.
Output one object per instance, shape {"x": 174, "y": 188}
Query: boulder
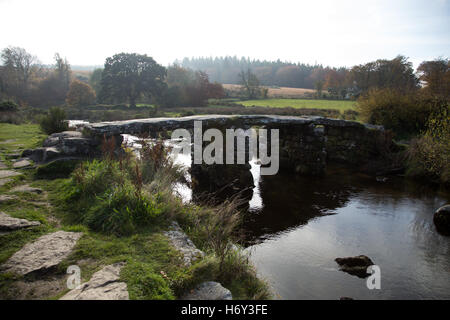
{"x": 8, "y": 223}
{"x": 208, "y": 291}
{"x": 356, "y": 266}
{"x": 44, "y": 253}
{"x": 441, "y": 219}
{"x": 182, "y": 243}
{"x": 103, "y": 285}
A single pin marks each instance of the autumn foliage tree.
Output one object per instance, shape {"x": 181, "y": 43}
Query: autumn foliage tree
{"x": 80, "y": 94}
{"x": 436, "y": 77}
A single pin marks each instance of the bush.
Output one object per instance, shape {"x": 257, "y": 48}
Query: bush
{"x": 54, "y": 121}
{"x": 429, "y": 156}
{"x": 404, "y": 113}
{"x": 80, "y": 94}
{"x": 8, "y": 105}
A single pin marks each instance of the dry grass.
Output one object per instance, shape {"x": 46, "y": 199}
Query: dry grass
{"x": 276, "y": 92}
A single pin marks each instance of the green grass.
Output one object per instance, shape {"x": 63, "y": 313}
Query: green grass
{"x": 340, "y": 105}
{"x": 19, "y": 137}
{"x": 153, "y": 269}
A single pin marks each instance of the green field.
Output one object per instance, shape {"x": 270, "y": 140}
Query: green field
{"x": 341, "y": 105}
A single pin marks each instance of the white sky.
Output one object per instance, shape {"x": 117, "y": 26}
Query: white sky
{"x": 336, "y": 33}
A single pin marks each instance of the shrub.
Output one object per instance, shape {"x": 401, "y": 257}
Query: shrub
{"x": 54, "y": 121}
{"x": 8, "y": 106}
{"x": 404, "y": 113}
{"x": 429, "y": 156}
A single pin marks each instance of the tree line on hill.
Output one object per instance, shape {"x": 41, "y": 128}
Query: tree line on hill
{"x": 127, "y": 78}
{"x": 397, "y": 73}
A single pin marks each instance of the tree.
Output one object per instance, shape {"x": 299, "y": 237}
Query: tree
{"x": 436, "y": 77}
{"x": 127, "y": 76}
{"x": 95, "y": 80}
{"x": 53, "y": 88}
{"x": 80, "y": 94}
{"x": 18, "y": 67}
{"x": 393, "y": 74}
{"x": 319, "y": 88}
{"x": 250, "y": 83}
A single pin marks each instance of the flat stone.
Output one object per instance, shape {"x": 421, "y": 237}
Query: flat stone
{"x": 22, "y": 163}
{"x": 103, "y": 285}
{"x": 8, "y": 173}
{"x": 26, "y": 188}
{"x": 182, "y": 243}
{"x": 8, "y": 223}
{"x": 356, "y": 266}
{"x": 3, "y": 166}
{"x": 209, "y": 291}
{"x": 4, "y": 181}
{"x": 46, "y": 252}
{"x": 5, "y": 197}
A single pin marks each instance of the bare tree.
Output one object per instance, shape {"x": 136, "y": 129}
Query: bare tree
{"x": 18, "y": 67}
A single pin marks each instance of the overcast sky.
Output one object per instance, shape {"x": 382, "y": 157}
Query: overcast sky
{"x": 335, "y": 33}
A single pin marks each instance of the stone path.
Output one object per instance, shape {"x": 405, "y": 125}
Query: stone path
{"x": 42, "y": 254}
{"x": 26, "y": 188}
{"x": 22, "y": 163}
{"x": 103, "y": 285}
{"x": 8, "y": 173}
{"x": 182, "y": 243}
{"x": 4, "y": 181}
{"x": 8, "y": 223}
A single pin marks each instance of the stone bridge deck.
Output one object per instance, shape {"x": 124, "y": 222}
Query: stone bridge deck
{"x": 140, "y": 126}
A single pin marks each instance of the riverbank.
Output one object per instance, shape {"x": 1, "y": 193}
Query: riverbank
{"x": 153, "y": 267}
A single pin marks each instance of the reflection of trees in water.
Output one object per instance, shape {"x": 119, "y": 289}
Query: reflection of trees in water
{"x": 290, "y": 201}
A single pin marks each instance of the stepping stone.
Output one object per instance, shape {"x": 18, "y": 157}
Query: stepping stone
{"x": 22, "y": 163}
{"x": 46, "y": 252}
{"x": 3, "y": 166}
{"x": 26, "y": 188}
{"x": 209, "y": 291}
{"x": 5, "y": 198}
{"x": 8, "y": 173}
{"x": 183, "y": 244}
{"x": 4, "y": 181}
{"x": 104, "y": 285}
{"x": 8, "y": 223}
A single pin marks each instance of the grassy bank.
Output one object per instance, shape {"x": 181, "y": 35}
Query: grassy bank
{"x": 123, "y": 207}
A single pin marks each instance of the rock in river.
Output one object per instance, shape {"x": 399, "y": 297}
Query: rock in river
{"x": 356, "y": 266}
{"x": 441, "y": 219}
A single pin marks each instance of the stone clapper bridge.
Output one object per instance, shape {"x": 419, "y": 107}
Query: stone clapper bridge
{"x": 306, "y": 144}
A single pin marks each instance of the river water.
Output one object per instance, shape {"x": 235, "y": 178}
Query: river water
{"x": 296, "y": 226}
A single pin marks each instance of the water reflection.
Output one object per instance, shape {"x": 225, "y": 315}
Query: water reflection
{"x": 296, "y": 226}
